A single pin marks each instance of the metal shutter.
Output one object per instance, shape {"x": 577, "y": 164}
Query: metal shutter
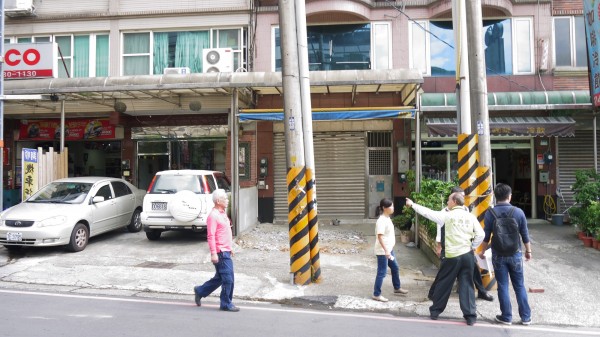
{"x": 340, "y": 174}
{"x": 574, "y": 153}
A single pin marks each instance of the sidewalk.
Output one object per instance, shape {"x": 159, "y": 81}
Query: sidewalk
{"x": 170, "y": 268}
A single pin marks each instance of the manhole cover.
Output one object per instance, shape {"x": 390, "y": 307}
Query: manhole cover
{"x": 160, "y": 265}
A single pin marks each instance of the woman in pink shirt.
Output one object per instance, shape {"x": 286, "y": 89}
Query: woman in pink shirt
{"x": 219, "y": 238}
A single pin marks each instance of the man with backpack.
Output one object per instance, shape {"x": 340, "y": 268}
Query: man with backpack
{"x": 507, "y": 226}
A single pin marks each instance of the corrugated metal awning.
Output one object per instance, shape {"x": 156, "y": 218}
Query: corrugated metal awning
{"x": 510, "y": 126}
{"x": 502, "y": 101}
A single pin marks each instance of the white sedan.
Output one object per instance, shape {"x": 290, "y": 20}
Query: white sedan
{"x": 69, "y": 211}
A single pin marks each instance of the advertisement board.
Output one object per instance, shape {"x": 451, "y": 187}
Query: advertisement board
{"x": 30, "y": 60}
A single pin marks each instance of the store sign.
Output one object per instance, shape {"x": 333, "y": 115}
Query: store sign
{"x": 30, "y": 60}
{"x": 29, "y": 167}
{"x": 592, "y": 34}
{"x": 75, "y": 129}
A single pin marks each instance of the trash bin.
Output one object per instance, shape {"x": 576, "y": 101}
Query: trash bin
{"x": 558, "y": 219}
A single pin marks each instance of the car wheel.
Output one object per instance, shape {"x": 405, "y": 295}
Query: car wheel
{"x": 79, "y": 238}
{"x": 185, "y": 206}
{"x": 136, "y": 222}
{"x": 153, "y": 234}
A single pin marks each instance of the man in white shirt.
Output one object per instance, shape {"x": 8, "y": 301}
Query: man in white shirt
{"x": 463, "y": 234}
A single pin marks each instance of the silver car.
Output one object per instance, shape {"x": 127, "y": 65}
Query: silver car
{"x": 69, "y": 211}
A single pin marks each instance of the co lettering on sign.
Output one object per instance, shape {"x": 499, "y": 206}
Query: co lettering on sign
{"x": 30, "y": 57}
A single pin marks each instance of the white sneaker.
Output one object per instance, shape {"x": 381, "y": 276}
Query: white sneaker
{"x": 380, "y": 298}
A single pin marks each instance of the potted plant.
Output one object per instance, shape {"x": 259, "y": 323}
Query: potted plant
{"x": 587, "y": 193}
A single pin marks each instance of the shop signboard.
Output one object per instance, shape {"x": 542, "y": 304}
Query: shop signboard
{"x": 30, "y": 60}
{"x": 75, "y": 129}
{"x": 592, "y": 34}
{"x": 29, "y": 167}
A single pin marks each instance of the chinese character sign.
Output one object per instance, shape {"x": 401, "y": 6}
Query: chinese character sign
{"x": 29, "y": 165}
{"x": 592, "y": 32}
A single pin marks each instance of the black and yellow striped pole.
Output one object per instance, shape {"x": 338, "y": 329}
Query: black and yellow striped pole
{"x": 468, "y": 159}
{"x": 313, "y": 226}
{"x": 298, "y": 226}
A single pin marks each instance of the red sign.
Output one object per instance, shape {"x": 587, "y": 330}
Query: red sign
{"x": 30, "y": 60}
{"x": 75, "y": 129}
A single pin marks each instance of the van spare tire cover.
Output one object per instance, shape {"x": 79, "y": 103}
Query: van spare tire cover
{"x": 185, "y": 206}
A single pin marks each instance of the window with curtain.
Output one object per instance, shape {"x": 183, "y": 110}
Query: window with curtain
{"x": 65, "y": 55}
{"x": 136, "y": 54}
{"x": 81, "y": 56}
{"x": 102, "y": 56}
{"x": 569, "y": 42}
{"x": 340, "y": 47}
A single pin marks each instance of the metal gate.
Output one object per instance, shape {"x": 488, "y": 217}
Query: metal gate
{"x": 339, "y": 171}
{"x": 574, "y": 153}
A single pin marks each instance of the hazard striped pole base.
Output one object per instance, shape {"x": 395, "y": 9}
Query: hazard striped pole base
{"x": 313, "y": 227}
{"x": 300, "y": 268}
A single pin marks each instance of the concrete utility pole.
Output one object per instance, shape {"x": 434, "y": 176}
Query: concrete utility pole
{"x": 300, "y": 269}
{"x": 478, "y": 79}
{"x": 309, "y": 151}
{"x": 463, "y": 104}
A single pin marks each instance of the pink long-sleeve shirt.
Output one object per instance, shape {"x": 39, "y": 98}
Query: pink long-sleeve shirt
{"x": 218, "y": 232}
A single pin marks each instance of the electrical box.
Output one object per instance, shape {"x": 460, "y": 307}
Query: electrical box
{"x": 544, "y": 176}
{"x": 403, "y": 159}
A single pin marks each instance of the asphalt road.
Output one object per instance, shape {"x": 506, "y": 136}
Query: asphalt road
{"x": 34, "y": 314}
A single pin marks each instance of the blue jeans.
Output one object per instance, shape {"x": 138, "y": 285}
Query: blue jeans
{"x": 223, "y": 278}
{"x": 505, "y": 266}
{"x": 382, "y": 263}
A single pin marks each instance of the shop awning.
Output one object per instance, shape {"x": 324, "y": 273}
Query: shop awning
{"x": 510, "y": 126}
{"x": 329, "y": 114}
{"x": 502, "y": 101}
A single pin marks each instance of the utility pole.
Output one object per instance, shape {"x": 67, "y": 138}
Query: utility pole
{"x": 2, "y": 103}
{"x": 300, "y": 268}
{"x": 309, "y": 151}
{"x": 463, "y": 104}
{"x": 478, "y": 79}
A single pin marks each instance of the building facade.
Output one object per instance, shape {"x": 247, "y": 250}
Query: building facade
{"x": 537, "y": 84}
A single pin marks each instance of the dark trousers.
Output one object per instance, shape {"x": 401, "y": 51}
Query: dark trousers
{"x": 223, "y": 278}
{"x": 476, "y": 279}
{"x": 456, "y": 268}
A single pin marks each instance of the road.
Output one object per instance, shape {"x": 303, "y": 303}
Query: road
{"x": 36, "y": 314}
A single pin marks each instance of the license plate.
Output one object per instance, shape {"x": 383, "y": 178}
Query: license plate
{"x": 14, "y": 236}
{"x": 159, "y": 206}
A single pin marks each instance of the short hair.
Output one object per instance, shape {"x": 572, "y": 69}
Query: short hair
{"x": 219, "y": 194}
{"x": 457, "y": 189}
{"x": 458, "y": 198}
{"x": 502, "y": 192}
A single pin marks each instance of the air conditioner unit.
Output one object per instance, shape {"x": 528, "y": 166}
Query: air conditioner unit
{"x": 14, "y": 8}
{"x": 180, "y": 71}
{"x": 217, "y": 60}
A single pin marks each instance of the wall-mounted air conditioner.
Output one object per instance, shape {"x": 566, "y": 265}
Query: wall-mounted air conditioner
{"x": 217, "y": 60}
{"x": 14, "y": 8}
{"x": 180, "y": 71}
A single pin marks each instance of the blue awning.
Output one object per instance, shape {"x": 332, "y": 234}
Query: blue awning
{"x": 320, "y": 115}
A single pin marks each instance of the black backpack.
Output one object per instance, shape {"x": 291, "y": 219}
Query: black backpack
{"x": 506, "y": 237}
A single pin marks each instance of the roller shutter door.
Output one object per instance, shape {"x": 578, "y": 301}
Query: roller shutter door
{"x": 340, "y": 171}
{"x": 574, "y": 153}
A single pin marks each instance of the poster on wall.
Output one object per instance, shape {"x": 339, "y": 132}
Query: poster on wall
{"x": 29, "y": 174}
{"x": 75, "y": 129}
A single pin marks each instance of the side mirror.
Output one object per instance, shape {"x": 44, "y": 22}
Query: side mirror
{"x": 97, "y": 199}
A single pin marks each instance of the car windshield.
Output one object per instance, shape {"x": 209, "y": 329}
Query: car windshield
{"x": 62, "y": 192}
{"x": 170, "y": 184}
